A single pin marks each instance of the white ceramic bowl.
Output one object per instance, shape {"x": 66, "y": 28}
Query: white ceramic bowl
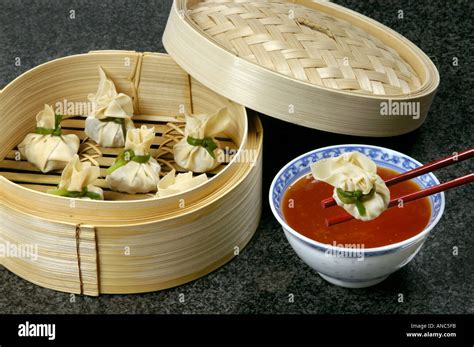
{"x": 346, "y": 267}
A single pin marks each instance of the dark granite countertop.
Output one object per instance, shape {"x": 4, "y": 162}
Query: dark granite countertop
{"x": 268, "y": 271}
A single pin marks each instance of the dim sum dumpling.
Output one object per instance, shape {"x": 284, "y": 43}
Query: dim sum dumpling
{"x": 112, "y": 115}
{"x": 47, "y": 148}
{"x": 357, "y": 187}
{"x": 173, "y": 184}
{"x": 134, "y": 170}
{"x": 77, "y": 181}
{"x": 199, "y": 151}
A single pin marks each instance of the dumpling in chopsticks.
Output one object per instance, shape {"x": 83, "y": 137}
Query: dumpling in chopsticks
{"x": 357, "y": 187}
{"x": 48, "y": 149}
{"x": 199, "y": 151}
{"x": 112, "y": 115}
{"x": 173, "y": 184}
{"x": 77, "y": 181}
{"x": 134, "y": 170}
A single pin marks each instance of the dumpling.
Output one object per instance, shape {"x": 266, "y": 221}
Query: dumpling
{"x": 199, "y": 151}
{"x": 134, "y": 170}
{"x": 173, "y": 184}
{"x": 357, "y": 187}
{"x": 77, "y": 181}
{"x": 47, "y": 148}
{"x": 112, "y": 115}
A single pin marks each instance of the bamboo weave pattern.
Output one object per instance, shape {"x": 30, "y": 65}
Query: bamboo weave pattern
{"x": 305, "y": 44}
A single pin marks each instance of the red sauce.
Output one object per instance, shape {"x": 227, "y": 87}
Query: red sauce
{"x": 303, "y": 212}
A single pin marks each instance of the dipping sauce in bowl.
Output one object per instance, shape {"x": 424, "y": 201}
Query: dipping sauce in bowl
{"x": 353, "y": 254}
{"x": 301, "y": 205}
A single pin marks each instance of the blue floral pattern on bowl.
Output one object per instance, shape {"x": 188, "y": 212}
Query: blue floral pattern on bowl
{"x": 382, "y": 157}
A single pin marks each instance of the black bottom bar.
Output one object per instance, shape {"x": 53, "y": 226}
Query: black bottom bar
{"x": 449, "y": 330}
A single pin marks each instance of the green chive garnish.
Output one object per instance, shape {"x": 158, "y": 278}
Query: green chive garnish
{"x": 68, "y": 194}
{"x": 356, "y": 197}
{"x": 141, "y": 159}
{"x": 207, "y": 143}
{"x": 360, "y": 207}
{"x": 125, "y": 157}
{"x": 113, "y": 119}
{"x": 57, "y": 127}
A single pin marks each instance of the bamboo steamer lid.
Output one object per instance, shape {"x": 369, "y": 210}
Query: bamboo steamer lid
{"x": 311, "y": 63}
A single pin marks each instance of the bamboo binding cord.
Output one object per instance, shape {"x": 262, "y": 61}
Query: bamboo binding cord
{"x": 308, "y": 62}
{"x": 82, "y": 244}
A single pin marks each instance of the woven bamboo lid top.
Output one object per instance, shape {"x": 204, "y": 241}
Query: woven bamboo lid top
{"x": 306, "y": 44}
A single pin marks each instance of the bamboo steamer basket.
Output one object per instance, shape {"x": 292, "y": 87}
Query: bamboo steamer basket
{"x": 136, "y": 243}
{"x": 312, "y": 63}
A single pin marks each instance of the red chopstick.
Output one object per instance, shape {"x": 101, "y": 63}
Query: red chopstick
{"x": 344, "y": 217}
{"x": 434, "y": 165}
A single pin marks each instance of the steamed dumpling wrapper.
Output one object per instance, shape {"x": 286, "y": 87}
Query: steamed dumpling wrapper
{"x": 112, "y": 114}
{"x": 77, "y": 181}
{"x": 134, "y": 170}
{"x": 47, "y": 148}
{"x": 173, "y": 184}
{"x": 357, "y": 187}
{"x": 199, "y": 151}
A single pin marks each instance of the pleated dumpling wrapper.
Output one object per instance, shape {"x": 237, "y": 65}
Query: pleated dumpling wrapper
{"x": 77, "y": 181}
{"x": 357, "y": 187}
{"x": 47, "y": 148}
{"x": 112, "y": 114}
{"x": 174, "y": 184}
{"x": 199, "y": 151}
{"x": 134, "y": 170}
